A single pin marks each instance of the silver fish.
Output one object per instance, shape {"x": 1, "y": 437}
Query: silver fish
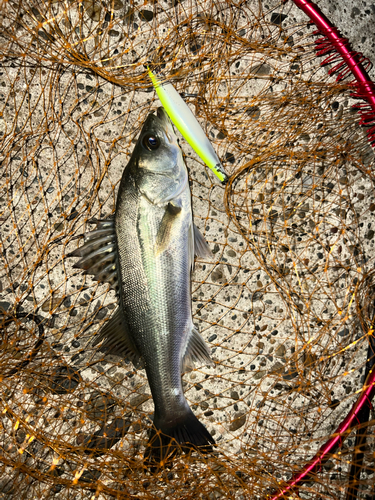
{"x": 147, "y": 253}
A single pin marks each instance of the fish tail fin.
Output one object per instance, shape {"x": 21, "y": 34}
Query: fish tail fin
{"x": 187, "y": 434}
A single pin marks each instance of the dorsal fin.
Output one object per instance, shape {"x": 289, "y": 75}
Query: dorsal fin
{"x": 99, "y": 252}
{"x": 117, "y": 339}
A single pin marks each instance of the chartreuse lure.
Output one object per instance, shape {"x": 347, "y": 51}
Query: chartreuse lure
{"x": 180, "y": 114}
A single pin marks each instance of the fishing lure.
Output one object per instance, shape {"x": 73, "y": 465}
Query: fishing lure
{"x": 187, "y": 124}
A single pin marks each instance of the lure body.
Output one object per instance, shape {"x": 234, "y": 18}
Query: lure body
{"x": 182, "y": 117}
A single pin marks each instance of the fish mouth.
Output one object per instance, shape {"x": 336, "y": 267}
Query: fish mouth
{"x": 166, "y": 123}
{"x": 163, "y": 115}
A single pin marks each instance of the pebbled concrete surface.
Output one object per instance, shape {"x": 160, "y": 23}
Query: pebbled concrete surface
{"x": 355, "y": 20}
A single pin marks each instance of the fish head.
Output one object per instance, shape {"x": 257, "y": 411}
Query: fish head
{"x": 158, "y": 167}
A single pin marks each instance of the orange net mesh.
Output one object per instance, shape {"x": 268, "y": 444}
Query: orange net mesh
{"x": 286, "y": 303}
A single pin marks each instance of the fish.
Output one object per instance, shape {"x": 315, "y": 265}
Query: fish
{"x": 146, "y": 252}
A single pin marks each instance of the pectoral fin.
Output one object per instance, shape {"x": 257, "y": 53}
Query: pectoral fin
{"x": 164, "y": 235}
{"x": 196, "y": 351}
{"x": 117, "y": 339}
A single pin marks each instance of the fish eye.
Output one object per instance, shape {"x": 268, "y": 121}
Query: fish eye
{"x": 150, "y": 142}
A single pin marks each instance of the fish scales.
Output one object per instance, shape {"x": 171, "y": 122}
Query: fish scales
{"x": 153, "y": 241}
{"x": 155, "y": 293}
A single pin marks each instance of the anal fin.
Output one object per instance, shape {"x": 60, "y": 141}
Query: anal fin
{"x": 196, "y": 351}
